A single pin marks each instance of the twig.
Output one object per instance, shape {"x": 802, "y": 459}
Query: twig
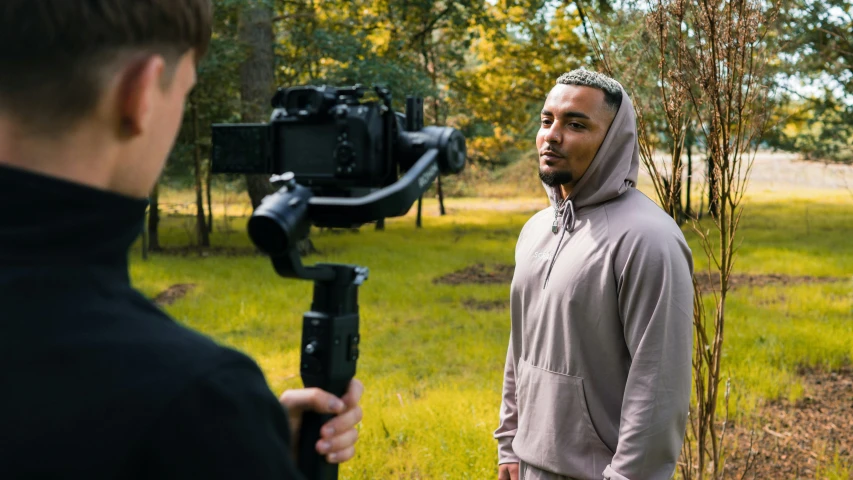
{"x": 784, "y": 436}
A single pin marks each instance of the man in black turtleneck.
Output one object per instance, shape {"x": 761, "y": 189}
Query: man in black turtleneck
{"x": 96, "y": 382}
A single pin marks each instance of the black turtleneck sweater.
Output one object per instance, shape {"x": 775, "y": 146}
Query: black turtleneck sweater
{"x": 96, "y": 382}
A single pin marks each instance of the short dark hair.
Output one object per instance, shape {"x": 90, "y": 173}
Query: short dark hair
{"x": 55, "y": 55}
{"x": 585, "y": 78}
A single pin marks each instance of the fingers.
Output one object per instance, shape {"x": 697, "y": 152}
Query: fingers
{"x": 342, "y": 423}
{"x": 312, "y": 399}
{"x": 339, "y": 448}
{"x": 342, "y": 456}
{"x": 338, "y": 435}
{"x": 508, "y": 471}
{"x": 354, "y": 392}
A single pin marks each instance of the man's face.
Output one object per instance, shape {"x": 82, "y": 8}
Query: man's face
{"x": 574, "y": 122}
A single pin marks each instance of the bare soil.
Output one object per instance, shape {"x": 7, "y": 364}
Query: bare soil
{"x": 485, "y": 305}
{"x": 709, "y": 283}
{"x": 173, "y": 294}
{"x": 478, "y": 274}
{"x": 796, "y": 440}
{"x": 500, "y": 273}
{"x": 193, "y": 251}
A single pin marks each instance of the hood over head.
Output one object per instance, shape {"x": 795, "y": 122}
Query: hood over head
{"x": 610, "y": 174}
{"x": 614, "y": 168}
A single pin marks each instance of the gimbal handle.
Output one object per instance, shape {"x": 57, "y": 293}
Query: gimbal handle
{"x": 330, "y": 336}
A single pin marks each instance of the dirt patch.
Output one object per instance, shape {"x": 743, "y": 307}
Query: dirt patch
{"x": 709, "y": 283}
{"x": 794, "y": 440}
{"x": 191, "y": 251}
{"x": 485, "y": 305}
{"x": 482, "y": 274}
{"x": 173, "y": 294}
{"x": 478, "y": 274}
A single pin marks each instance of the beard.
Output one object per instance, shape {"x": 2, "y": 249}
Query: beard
{"x": 554, "y": 178}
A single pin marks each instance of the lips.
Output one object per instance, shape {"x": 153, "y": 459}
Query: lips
{"x": 550, "y": 156}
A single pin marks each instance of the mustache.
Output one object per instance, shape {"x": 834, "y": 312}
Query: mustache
{"x": 548, "y": 150}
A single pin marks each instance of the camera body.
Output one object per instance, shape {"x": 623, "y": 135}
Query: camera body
{"x": 337, "y": 141}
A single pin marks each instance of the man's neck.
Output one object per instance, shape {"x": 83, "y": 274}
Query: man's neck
{"x": 565, "y": 190}
{"x": 80, "y": 157}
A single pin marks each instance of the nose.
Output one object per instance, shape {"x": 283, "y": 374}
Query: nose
{"x": 552, "y": 135}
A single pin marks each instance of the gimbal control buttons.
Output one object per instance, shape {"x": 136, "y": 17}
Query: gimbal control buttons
{"x": 352, "y": 355}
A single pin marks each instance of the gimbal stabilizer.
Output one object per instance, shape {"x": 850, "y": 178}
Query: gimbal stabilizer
{"x": 330, "y": 335}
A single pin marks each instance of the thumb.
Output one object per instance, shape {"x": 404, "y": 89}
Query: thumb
{"x": 312, "y": 399}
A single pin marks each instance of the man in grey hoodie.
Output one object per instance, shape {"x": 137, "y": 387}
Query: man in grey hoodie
{"x": 597, "y": 379}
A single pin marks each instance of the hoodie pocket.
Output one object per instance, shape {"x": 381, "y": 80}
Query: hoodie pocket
{"x": 555, "y": 432}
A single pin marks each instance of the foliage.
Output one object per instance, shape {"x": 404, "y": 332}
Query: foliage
{"x": 497, "y": 97}
{"x": 817, "y": 41}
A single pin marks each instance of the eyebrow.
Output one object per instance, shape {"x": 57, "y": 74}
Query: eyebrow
{"x": 567, "y": 114}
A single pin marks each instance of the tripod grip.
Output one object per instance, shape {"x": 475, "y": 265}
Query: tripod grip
{"x": 312, "y": 464}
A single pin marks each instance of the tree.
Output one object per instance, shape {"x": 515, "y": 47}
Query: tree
{"x": 718, "y": 69}
{"x": 153, "y": 227}
{"x": 817, "y": 40}
{"x": 710, "y": 58}
{"x": 515, "y": 59}
{"x": 202, "y": 230}
{"x": 257, "y": 78}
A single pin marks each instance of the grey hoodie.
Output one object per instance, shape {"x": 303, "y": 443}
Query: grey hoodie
{"x": 597, "y": 379}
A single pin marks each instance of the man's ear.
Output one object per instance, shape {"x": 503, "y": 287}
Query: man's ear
{"x": 141, "y": 84}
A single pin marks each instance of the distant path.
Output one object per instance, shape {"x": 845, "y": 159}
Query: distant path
{"x": 493, "y": 204}
{"x": 779, "y": 172}
{"x": 785, "y": 171}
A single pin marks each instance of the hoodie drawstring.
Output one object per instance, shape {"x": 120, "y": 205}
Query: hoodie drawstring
{"x": 569, "y": 220}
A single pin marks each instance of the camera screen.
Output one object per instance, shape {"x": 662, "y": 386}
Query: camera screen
{"x": 308, "y": 149}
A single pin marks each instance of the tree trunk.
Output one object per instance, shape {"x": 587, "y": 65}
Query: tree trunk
{"x": 436, "y": 111}
{"x": 712, "y": 188}
{"x": 154, "y": 220}
{"x": 677, "y": 211}
{"x": 203, "y": 234}
{"x": 688, "y": 209}
{"x": 145, "y": 236}
{"x": 441, "y": 209}
{"x": 208, "y": 182}
{"x": 259, "y": 186}
{"x": 257, "y": 79}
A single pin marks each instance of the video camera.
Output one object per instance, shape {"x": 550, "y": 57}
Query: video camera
{"x": 339, "y": 142}
{"x": 344, "y": 158}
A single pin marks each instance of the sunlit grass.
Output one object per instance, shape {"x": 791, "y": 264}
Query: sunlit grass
{"x": 433, "y": 367}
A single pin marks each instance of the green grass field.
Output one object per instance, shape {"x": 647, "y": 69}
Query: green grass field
{"x": 432, "y": 366}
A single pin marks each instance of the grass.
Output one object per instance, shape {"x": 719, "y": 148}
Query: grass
{"x": 433, "y": 367}
{"x": 772, "y": 331}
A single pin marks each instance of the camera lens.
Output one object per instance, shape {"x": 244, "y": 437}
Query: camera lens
{"x": 451, "y": 148}
{"x": 456, "y": 152}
